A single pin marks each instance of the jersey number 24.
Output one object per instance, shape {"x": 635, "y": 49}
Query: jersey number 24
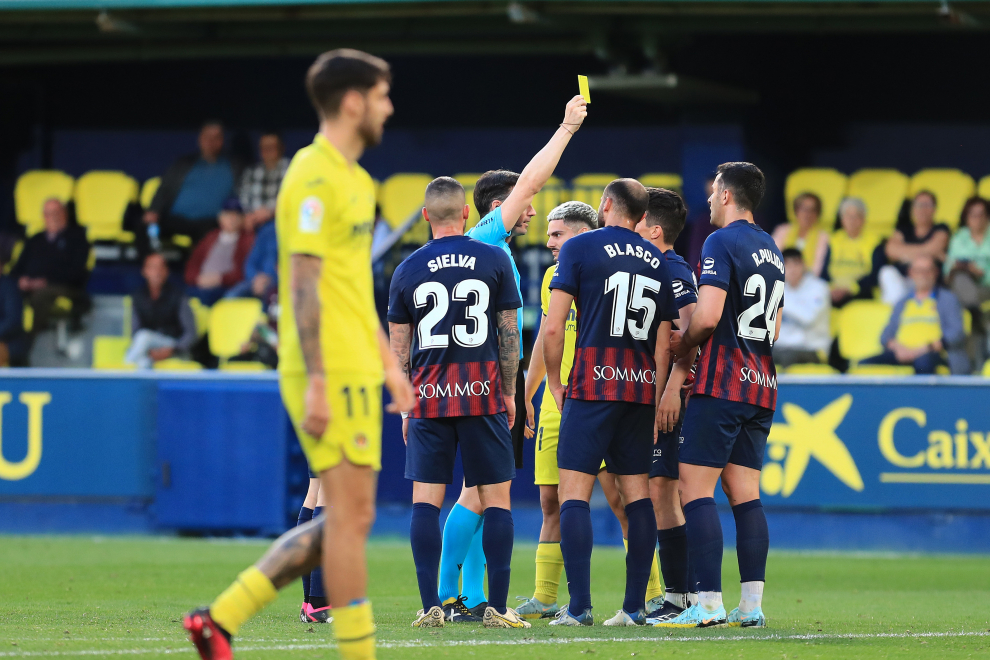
{"x": 757, "y": 286}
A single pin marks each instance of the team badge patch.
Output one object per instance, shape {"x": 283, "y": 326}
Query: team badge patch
{"x": 360, "y": 441}
{"x": 310, "y": 215}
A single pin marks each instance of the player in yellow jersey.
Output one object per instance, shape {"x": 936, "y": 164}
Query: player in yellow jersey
{"x": 333, "y": 359}
{"x": 564, "y": 222}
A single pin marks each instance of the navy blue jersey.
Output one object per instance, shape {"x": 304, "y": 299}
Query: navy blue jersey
{"x": 622, "y": 292}
{"x": 682, "y": 279}
{"x": 449, "y": 290}
{"x": 736, "y": 362}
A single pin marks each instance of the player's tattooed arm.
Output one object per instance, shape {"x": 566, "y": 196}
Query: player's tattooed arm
{"x": 306, "y": 306}
{"x": 508, "y": 350}
{"x": 295, "y": 553}
{"x": 400, "y": 340}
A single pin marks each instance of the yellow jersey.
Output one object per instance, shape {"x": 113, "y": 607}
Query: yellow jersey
{"x": 326, "y": 208}
{"x": 808, "y": 245}
{"x": 920, "y": 323}
{"x": 850, "y": 259}
{"x": 570, "y": 337}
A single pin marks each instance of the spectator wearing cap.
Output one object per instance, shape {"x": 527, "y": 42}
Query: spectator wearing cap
{"x": 804, "y": 324}
{"x": 217, "y": 261}
{"x": 161, "y": 319}
{"x": 260, "y": 183}
{"x": 804, "y": 234}
{"x": 194, "y": 188}
{"x": 53, "y": 265}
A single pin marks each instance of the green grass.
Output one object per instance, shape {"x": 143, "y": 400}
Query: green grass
{"x": 77, "y": 596}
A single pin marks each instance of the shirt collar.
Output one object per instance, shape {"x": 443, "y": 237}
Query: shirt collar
{"x": 329, "y": 150}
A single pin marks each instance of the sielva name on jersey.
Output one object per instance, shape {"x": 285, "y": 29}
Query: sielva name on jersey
{"x": 451, "y": 261}
{"x": 630, "y": 375}
{"x": 473, "y": 388}
{"x": 616, "y": 250}
{"x": 768, "y": 256}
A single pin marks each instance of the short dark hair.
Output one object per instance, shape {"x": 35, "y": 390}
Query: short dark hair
{"x": 926, "y": 192}
{"x": 970, "y": 203}
{"x": 212, "y": 122}
{"x": 337, "y": 72}
{"x": 629, "y": 197}
{"x": 792, "y": 253}
{"x": 808, "y": 195}
{"x": 493, "y": 185}
{"x": 746, "y": 183}
{"x": 273, "y": 132}
{"x": 440, "y": 193}
{"x": 667, "y": 209}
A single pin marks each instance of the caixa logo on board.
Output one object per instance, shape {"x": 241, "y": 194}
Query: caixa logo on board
{"x": 471, "y": 388}
{"x": 35, "y": 403}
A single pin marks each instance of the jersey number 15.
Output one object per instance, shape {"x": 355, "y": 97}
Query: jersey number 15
{"x": 619, "y": 283}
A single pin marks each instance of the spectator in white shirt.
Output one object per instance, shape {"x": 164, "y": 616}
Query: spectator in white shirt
{"x": 804, "y": 326}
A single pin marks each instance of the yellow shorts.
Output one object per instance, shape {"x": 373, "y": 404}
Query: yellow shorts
{"x": 545, "y": 468}
{"x": 355, "y": 429}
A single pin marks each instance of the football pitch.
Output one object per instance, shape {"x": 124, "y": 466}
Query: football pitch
{"x": 91, "y": 596}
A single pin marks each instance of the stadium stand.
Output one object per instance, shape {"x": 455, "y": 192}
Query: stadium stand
{"x": 31, "y": 191}
{"x": 662, "y": 180}
{"x": 232, "y": 320}
{"x": 148, "y": 190}
{"x": 588, "y": 187}
{"x": 101, "y": 200}
{"x": 177, "y": 364}
{"x": 883, "y": 191}
{"x": 468, "y": 181}
{"x": 983, "y": 188}
{"x": 828, "y": 184}
{"x": 951, "y": 188}
{"x": 109, "y": 352}
{"x": 860, "y": 324}
{"x": 400, "y": 196}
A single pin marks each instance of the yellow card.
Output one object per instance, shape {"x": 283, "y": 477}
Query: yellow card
{"x": 583, "y": 86}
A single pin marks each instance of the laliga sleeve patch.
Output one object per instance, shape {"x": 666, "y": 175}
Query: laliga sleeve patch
{"x": 310, "y": 215}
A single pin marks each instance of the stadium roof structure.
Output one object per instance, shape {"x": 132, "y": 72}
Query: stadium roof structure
{"x": 53, "y": 31}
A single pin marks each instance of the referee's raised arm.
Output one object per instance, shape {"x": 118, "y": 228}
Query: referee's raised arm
{"x": 535, "y": 175}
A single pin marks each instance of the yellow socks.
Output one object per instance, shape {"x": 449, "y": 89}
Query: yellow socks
{"x": 549, "y": 564}
{"x": 354, "y": 628}
{"x": 250, "y": 593}
{"x": 653, "y": 587}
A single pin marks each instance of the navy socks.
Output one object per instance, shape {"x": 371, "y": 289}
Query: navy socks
{"x": 317, "y": 590}
{"x": 639, "y": 557}
{"x": 305, "y": 515}
{"x": 704, "y": 535}
{"x": 497, "y": 540}
{"x": 752, "y": 540}
{"x": 673, "y": 550}
{"x": 425, "y": 537}
{"x": 576, "y": 541}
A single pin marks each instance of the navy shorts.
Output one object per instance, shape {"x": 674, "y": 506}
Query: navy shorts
{"x": 666, "y": 452}
{"x": 486, "y": 449}
{"x": 618, "y": 431}
{"x": 718, "y": 431}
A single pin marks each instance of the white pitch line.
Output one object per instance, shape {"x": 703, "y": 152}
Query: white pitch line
{"x": 513, "y": 642}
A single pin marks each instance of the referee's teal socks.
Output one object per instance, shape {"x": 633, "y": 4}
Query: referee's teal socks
{"x": 458, "y": 534}
{"x": 576, "y": 542}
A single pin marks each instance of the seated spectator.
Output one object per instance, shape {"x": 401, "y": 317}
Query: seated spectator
{"x": 53, "y": 265}
{"x": 194, "y": 188}
{"x": 217, "y": 262}
{"x": 851, "y": 255}
{"x": 260, "y": 183}
{"x": 14, "y": 342}
{"x": 805, "y": 234}
{"x": 924, "y": 324}
{"x": 261, "y": 267}
{"x": 922, "y": 237}
{"x": 162, "y": 321}
{"x": 804, "y": 323}
{"x": 967, "y": 269}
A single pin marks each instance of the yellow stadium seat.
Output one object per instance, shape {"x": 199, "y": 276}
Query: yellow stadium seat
{"x": 201, "y": 313}
{"x": 967, "y": 322}
{"x": 550, "y": 196}
{"x": 244, "y": 366}
{"x": 15, "y": 253}
{"x": 662, "y": 180}
{"x": 177, "y": 364}
{"x": 986, "y": 369}
{"x": 811, "y": 369}
{"x": 149, "y": 189}
{"x": 860, "y": 325}
{"x": 883, "y": 192}
{"x": 468, "y": 181}
{"x": 31, "y": 191}
{"x": 588, "y": 188}
{"x": 181, "y": 240}
{"x": 28, "y": 316}
{"x": 232, "y": 320}
{"x": 401, "y": 196}
{"x": 983, "y": 189}
{"x": 102, "y": 198}
{"x": 828, "y": 184}
{"x": 951, "y": 188}
{"x": 881, "y": 370}
{"x": 109, "y": 352}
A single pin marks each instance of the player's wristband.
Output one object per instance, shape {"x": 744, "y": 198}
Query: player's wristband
{"x": 405, "y": 415}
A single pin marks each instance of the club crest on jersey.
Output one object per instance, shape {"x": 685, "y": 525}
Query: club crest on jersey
{"x": 360, "y": 441}
{"x": 451, "y": 260}
{"x": 310, "y": 215}
{"x": 616, "y": 250}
